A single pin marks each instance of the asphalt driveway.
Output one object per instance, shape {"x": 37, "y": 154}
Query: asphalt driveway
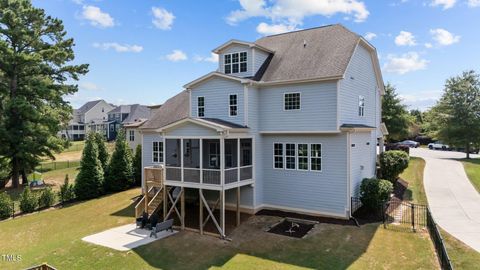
{"x": 454, "y": 202}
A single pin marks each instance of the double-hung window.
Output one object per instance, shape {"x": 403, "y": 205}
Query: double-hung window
{"x": 291, "y": 101}
{"x": 233, "y": 108}
{"x": 290, "y": 159}
{"x": 278, "y": 156}
{"x": 131, "y": 135}
{"x": 157, "y": 152}
{"x": 201, "y": 106}
{"x": 361, "y": 106}
{"x": 235, "y": 62}
{"x": 316, "y": 157}
{"x": 302, "y": 156}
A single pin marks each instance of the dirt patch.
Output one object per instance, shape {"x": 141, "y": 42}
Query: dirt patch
{"x": 318, "y": 219}
{"x": 292, "y": 228}
{"x": 399, "y": 188}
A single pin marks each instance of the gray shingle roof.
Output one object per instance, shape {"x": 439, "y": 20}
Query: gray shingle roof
{"x": 174, "y": 109}
{"x": 137, "y": 112}
{"x": 326, "y": 53}
{"x": 223, "y": 123}
{"x": 87, "y": 106}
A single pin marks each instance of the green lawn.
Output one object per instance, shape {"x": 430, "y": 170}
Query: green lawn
{"x": 55, "y": 237}
{"x": 472, "y": 168}
{"x": 462, "y": 256}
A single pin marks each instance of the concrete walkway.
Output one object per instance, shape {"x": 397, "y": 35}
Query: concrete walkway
{"x": 453, "y": 201}
{"x": 125, "y": 237}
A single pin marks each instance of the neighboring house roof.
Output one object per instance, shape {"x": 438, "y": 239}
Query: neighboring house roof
{"x": 136, "y": 124}
{"x": 121, "y": 109}
{"x": 322, "y": 52}
{"x": 87, "y": 106}
{"x": 137, "y": 112}
{"x": 174, "y": 109}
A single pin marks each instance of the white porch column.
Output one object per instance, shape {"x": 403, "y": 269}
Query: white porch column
{"x": 222, "y": 160}
{"x": 201, "y": 161}
{"x": 181, "y": 159}
{"x": 238, "y": 160}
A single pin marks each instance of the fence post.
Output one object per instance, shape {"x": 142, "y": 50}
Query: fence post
{"x": 413, "y": 216}
{"x": 384, "y": 213}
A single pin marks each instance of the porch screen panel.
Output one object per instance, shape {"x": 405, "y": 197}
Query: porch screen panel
{"x": 191, "y": 160}
{"x": 246, "y": 168}
{"x": 173, "y": 160}
{"x": 211, "y": 161}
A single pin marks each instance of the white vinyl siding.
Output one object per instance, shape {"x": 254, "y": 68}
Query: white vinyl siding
{"x": 157, "y": 152}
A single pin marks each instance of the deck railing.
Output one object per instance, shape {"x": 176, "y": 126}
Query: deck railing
{"x": 209, "y": 176}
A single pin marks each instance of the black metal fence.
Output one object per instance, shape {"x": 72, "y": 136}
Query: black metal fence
{"x": 404, "y": 216}
{"x": 57, "y": 165}
{"x": 437, "y": 239}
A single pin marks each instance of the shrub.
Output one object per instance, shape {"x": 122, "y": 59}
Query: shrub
{"x": 103, "y": 155}
{"x": 90, "y": 179}
{"x": 137, "y": 166}
{"x": 120, "y": 171}
{"x": 47, "y": 198}
{"x": 67, "y": 191}
{"x": 28, "y": 201}
{"x": 374, "y": 191}
{"x": 392, "y": 164}
{"x": 4, "y": 171}
{"x": 6, "y": 205}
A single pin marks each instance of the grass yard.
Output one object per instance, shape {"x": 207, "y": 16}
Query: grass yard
{"x": 472, "y": 168}
{"x": 55, "y": 237}
{"x": 462, "y": 256}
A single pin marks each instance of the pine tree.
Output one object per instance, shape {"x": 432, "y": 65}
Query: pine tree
{"x": 35, "y": 71}
{"x": 394, "y": 114}
{"x": 120, "y": 171}
{"x": 137, "y": 166}
{"x": 90, "y": 179}
{"x": 102, "y": 151}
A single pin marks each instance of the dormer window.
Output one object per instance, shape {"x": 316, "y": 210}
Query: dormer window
{"x": 235, "y": 62}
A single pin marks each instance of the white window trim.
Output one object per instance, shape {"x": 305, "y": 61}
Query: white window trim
{"x": 294, "y": 157}
{"x": 131, "y": 134}
{"x": 231, "y": 63}
{"x": 299, "y": 102}
{"x": 310, "y": 157}
{"x": 229, "y": 106}
{"x": 198, "y": 107}
{"x": 283, "y": 156}
{"x": 360, "y": 97}
{"x": 160, "y": 153}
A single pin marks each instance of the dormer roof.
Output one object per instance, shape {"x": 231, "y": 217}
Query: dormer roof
{"x": 236, "y": 41}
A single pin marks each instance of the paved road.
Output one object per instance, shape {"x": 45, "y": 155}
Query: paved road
{"x": 454, "y": 202}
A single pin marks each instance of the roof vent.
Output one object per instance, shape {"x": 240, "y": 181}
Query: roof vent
{"x": 304, "y": 43}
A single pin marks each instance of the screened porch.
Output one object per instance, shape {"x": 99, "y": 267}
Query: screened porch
{"x": 204, "y": 162}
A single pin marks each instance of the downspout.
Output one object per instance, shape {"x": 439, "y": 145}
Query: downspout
{"x": 349, "y": 195}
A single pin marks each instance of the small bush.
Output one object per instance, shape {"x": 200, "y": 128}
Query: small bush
{"x": 6, "y": 205}
{"x": 137, "y": 166}
{"x": 373, "y": 192}
{"x": 67, "y": 191}
{"x": 47, "y": 198}
{"x": 392, "y": 164}
{"x": 28, "y": 201}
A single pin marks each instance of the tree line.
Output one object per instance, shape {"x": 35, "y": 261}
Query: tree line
{"x": 454, "y": 119}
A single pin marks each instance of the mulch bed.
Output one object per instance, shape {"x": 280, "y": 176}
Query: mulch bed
{"x": 291, "y": 228}
{"x": 328, "y": 220}
{"x": 364, "y": 215}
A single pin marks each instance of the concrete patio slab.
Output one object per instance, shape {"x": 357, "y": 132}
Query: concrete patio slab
{"x": 125, "y": 237}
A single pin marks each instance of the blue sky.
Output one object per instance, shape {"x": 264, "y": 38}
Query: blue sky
{"x": 144, "y": 51}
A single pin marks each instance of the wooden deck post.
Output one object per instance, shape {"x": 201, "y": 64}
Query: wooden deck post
{"x": 182, "y": 208}
{"x": 165, "y": 201}
{"x": 201, "y": 210}
{"x": 238, "y": 206}
{"x": 146, "y": 188}
{"x": 222, "y": 211}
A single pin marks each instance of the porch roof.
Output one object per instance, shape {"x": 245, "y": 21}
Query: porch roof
{"x": 213, "y": 123}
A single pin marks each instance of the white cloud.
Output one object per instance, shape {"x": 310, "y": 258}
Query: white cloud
{"x": 118, "y": 47}
{"x": 428, "y": 45}
{"x": 405, "y": 39}
{"x": 177, "y": 55}
{"x": 89, "y": 86}
{"x": 474, "y": 3}
{"x": 369, "y": 36}
{"x": 293, "y": 12}
{"x": 212, "y": 58}
{"x": 78, "y": 2}
{"x": 162, "y": 18}
{"x": 445, "y": 3}
{"x": 273, "y": 29}
{"x": 97, "y": 17}
{"x": 421, "y": 99}
{"x": 404, "y": 63}
{"x": 443, "y": 37}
